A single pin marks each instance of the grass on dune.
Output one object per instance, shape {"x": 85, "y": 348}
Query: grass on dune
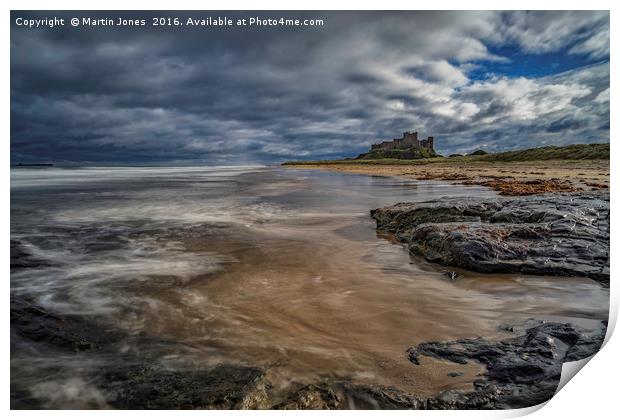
{"x": 575, "y": 152}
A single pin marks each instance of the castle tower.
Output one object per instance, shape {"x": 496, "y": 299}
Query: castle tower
{"x": 410, "y": 138}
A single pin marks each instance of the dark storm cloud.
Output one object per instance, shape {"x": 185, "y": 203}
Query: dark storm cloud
{"x": 110, "y": 94}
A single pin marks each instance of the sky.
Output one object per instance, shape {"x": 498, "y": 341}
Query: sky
{"x": 266, "y": 94}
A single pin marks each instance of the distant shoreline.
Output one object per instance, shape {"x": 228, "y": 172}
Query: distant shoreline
{"x": 26, "y": 165}
{"x": 523, "y": 172}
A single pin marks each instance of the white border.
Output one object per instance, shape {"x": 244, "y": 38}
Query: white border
{"x": 591, "y": 395}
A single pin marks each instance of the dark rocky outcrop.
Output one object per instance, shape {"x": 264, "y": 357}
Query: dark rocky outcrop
{"x": 341, "y": 394}
{"x": 556, "y": 234}
{"x": 522, "y": 371}
{"x": 145, "y": 387}
{"x": 338, "y": 395}
{"x": 128, "y": 380}
{"x": 410, "y": 154}
{"x": 61, "y": 333}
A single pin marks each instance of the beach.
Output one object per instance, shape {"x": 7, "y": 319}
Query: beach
{"x": 275, "y": 279}
{"x": 510, "y": 178}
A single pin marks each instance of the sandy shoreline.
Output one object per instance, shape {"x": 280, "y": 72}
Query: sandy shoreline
{"x": 277, "y": 291}
{"x": 509, "y": 178}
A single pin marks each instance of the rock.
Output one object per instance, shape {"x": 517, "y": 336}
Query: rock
{"x": 151, "y": 388}
{"x": 413, "y": 355}
{"x": 62, "y": 333}
{"x": 452, "y": 275}
{"x": 582, "y": 348}
{"x": 520, "y": 372}
{"x": 320, "y": 396}
{"x": 131, "y": 381}
{"x": 525, "y": 370}
{"x": 556, "y": 234}
{"x": 345, "y": 395}
{"x": 338, "y": 395}
{"x": 483, "y": 398}
{"x": 235, "y": 387}
{"x": 22, "y": 399}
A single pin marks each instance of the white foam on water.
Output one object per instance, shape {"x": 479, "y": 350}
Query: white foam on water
{"x": 97, "y": 283}
{"x": 72, "y": 393}
{"x": 91, "y": 281}
{"x": 22, "y": 177}
{"x": 180, "y": 211}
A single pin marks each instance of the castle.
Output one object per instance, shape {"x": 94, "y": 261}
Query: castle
{"x": 408, "y": 141}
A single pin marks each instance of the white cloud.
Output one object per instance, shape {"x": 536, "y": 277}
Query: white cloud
{"x": 521, "y": 98}
{"x": 596, "y": 46}
{"x": 540, "y": 31}
{"x": 442, "y": 72}
{"x": 602, "y": 97}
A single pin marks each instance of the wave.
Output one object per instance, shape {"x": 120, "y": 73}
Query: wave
{"x": 66, "y": 176}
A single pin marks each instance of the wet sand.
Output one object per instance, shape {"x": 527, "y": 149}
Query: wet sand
{"x": 336, "y": 301}
{"x": 280, "y": 269}
{"x": 325, "y": 298}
